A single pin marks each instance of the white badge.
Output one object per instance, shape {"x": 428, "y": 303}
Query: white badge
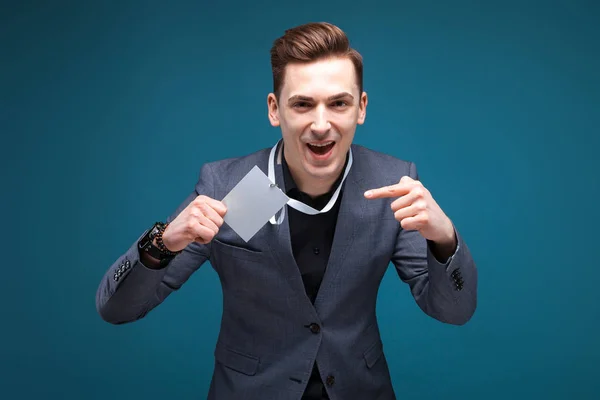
{"x": 251, "y": 203}
{"x": 297, "y": 205}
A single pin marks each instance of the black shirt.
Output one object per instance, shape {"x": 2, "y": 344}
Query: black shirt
{"x": 312, "y": 237}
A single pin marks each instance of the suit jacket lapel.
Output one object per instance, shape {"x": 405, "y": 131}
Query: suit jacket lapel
{"x": 280, "y": 243}
{"x": 348, "y": 223}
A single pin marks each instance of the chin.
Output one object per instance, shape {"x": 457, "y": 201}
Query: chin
{"x": 329, "y": 171}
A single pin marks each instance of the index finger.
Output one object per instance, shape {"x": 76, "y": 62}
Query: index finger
{"x": 397, "y": 190}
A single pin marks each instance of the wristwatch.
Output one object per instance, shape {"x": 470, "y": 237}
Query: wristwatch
{"x": 159, "y": 252}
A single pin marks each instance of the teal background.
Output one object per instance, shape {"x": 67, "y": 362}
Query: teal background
{"x": 108, "y": 110}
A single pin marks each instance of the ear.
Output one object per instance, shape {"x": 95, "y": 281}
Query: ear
{"x": 273, "y": 109}
{"x": 362, "y": 108}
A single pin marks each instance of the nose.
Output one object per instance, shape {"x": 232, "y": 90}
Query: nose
{"x": 320, "y": 125}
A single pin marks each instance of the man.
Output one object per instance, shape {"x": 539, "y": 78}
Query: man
{"x": 299, "y": 297}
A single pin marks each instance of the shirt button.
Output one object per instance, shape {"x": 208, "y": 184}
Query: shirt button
{"x": 316, "y": 250}
{"x": 314, "y": 328}
{"x": 330, "y": 380}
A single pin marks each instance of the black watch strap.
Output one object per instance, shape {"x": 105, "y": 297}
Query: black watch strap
{"x": 159, "y": 252}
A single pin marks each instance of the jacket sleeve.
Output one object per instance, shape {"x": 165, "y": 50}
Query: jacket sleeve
{"x": 129, "y": 289}
{"x": 444, "y": 291}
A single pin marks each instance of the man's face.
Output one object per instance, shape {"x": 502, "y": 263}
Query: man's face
{"x": 318, "y": 110}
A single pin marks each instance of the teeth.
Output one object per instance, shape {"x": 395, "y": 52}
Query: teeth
{"x": 320, "y": 145}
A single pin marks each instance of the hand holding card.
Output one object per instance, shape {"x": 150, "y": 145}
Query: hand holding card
{"x": 199, "y": 221}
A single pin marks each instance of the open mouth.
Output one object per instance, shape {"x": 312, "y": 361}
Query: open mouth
{"x": 321, "y": 149}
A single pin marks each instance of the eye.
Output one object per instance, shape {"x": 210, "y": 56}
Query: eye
{"x": 301, "y": 104}
{"x": 340, "y": 103}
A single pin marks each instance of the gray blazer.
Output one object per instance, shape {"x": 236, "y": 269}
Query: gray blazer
{"x": 271, "y": 334}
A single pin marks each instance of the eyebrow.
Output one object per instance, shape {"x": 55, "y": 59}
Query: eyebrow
{"x": 330, "y": 98}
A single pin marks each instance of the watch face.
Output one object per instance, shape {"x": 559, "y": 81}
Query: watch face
{"x": 153, "y": 233}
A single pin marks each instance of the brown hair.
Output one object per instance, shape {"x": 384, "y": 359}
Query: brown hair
{"x": 311, "y": 42}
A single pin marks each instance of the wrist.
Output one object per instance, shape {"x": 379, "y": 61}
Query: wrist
{"x": 159, "y": 241}
{"x": 151, "y": 244}
{"x": 446, "y": 246}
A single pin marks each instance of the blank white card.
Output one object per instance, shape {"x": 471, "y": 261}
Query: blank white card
{"x": 252, "y": 202}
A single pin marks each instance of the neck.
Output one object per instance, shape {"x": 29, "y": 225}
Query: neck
{"x": 315, "y": 187}
{"x": 308, "y": 184}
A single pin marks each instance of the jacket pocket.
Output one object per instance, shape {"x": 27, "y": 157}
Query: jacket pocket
{"x": 236, "y": 251}
{"x": 373, "y": 353}
{"x": 235, "y": 360}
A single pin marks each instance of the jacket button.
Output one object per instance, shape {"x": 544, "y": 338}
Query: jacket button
{"x": 314, "y": 328}
{"x": 316, "y": 251}
{"x": 330, "y": 380}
